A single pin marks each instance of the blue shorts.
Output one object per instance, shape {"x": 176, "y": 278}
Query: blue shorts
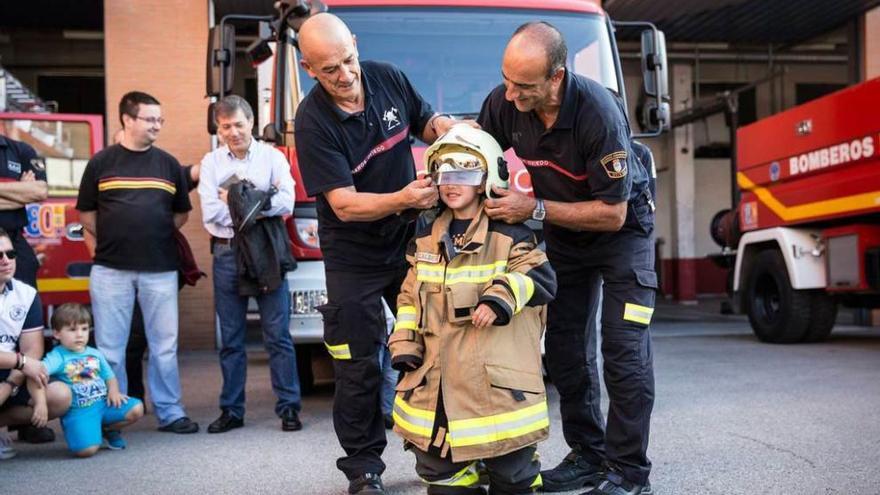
{"x": 82, "y": 426}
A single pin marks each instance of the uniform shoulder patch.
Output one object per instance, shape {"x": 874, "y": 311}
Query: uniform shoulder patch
{"x": 615, "y": 164}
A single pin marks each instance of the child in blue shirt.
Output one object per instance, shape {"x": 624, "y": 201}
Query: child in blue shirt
{"x": 97, "y": 408}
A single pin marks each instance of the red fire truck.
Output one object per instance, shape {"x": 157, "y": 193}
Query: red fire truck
{"x": 65, "y": 142}
{"x": 806, "y": 232}
{"x": 451, "y": 51}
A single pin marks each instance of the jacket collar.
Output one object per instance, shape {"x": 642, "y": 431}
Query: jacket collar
{"x": 475, "y": 235}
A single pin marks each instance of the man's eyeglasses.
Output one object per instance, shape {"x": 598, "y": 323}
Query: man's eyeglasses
{"x": 152, "y": 120}
{"x": 10, "y": 255}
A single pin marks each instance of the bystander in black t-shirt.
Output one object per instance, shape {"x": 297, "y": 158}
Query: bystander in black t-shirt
{"x": 135, "y": 194}
{"x": 369, "y": 150}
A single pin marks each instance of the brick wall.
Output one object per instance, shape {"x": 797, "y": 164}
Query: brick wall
{"x": 871, "y": 48}
{"x": 158, "y": 46}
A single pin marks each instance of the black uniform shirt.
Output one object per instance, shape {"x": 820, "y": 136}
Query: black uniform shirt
{"x": 16, "y": 158}
{"x": 585, "y": 156}
{"x": 135, "y": 194}
{"x": 369, "y": 150}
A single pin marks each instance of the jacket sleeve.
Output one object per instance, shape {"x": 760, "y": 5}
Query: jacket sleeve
{"x": 529, "y": 281}
{"x": 406, "y": 342}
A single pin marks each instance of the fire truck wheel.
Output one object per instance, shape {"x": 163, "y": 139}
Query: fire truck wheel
{"x": 823, "y": 314}
{"x": 778, "y": 313}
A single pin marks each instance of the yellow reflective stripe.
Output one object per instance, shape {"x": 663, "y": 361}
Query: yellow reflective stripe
{"x": 406, "y": 318}
{"x": 523, "y": 288}
{"x": 466, "y": 477}
{"x": 475, "y": 431}
{"x": 417, "y": 421}
{"x": 430, "y": 272}
{"x": 538, "y": 483}
{"x": 843, "y": 204}
{"x": 62, "y": 284}
{"x": 340, "y": 351}
{"x": 638, "y": 314}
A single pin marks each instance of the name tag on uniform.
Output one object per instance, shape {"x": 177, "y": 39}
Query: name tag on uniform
{"x": 13, "y": 166}
{"x": 428, "y": 257}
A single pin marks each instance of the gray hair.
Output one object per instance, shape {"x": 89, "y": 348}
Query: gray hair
{"x": 550, "y": 39}
{"x": 227, "y": 106}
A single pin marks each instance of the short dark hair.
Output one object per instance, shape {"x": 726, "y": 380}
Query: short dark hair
{"x": 131, "y": 101}
{"x": 5, "y": 234}
{"x": 227, "y": 106}
{"x": 70, "y": 314}
{"x": 550, "y": 39}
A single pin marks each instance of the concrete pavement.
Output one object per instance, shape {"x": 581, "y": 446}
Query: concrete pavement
{"x": 732, "y": 416}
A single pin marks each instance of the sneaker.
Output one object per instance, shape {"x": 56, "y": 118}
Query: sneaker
{"x": 290, "y": 420}
{"x": 572, "y": 473}
{"x": 32, "y": 434}
{"x": 614, "y": 484}
{"x": 181, "y": 425}
{"x": 114, "y": 439}
{"x": 225, "y": 422}
{"x": 7, "y": 451}
{"x": 366, "y": 484}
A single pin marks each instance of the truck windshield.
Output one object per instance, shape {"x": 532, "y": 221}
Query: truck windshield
{"x": 453, "y": 55}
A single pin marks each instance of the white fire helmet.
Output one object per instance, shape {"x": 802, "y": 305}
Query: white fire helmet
{"x": 466, "y": 156}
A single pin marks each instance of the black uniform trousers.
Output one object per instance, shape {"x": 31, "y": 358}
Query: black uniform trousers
{"x": 624, "y": 262}
{"x": 354, "y": 330}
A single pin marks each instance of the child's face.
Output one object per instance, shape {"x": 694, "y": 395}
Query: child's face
{"x": 459, "y": 197}
{"x": 73, "y": 337}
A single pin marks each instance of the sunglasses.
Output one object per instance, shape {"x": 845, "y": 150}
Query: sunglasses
{"x": 10, "y": 255}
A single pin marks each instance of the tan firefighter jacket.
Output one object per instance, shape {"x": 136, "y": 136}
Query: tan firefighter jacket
{"x": 492, "y": 386}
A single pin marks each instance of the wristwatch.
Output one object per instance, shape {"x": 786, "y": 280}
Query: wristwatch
{"x": 539, "y": 212}
{"x": 13, "y": 385}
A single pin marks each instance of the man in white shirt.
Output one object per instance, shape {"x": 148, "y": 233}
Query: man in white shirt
{"x": 21, "y": 347}
{"x": 244, "y": 158}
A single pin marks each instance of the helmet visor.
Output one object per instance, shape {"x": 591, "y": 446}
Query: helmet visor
{"x": 458, "y": 177}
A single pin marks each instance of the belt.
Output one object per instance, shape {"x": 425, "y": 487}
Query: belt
{"x": 220, "y": 240}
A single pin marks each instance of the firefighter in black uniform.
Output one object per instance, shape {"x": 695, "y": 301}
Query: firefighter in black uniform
{"x": 352, "y": 137}
{"x": 22, "y": 181}
{"x": 592, "y": 194}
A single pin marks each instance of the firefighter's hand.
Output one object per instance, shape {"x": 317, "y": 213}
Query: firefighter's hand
{"x": 509, "y": 206}
{"x": 28, "y": 176}
{"x": 222, "y": 194}
{"x": 420, "y": 194}
{"x": 483, "y": 316}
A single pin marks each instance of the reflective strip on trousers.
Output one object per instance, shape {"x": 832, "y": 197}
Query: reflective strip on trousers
{"x": 416, "y": 421}
{"x": 466, "y": 477}
{"x": 523, "y": 288}
{"x": 406, "y": 318}
{"x": 638, "y": 314}
{"x": 340, "y": 351}
{"x": 538, "y": 483}
{"x": 475, "y": 431}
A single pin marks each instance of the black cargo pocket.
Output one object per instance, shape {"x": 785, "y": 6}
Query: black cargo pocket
{"x": 518, "y": 382}
{"x": 461, "y": 302}
{"x": 334, "y": 341}
{"x": 646, "y": 278}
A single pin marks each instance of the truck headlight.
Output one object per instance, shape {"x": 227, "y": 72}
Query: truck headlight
{"x": 304, "y": 302}
{"x": 307, "y": 232}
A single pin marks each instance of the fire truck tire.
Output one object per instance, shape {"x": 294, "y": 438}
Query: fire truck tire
{"x": 823, "y": 314}
{"x": 778, "y": 313}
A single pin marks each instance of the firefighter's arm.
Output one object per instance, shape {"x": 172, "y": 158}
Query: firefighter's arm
{"x": 352, "y": 206}
{"x": 6, "y": 205}
{"x": 406, "y": 342}
{"x": 595, "y": 215}
{"x": 24, "y": 192}
{"x": 529, "y": 281}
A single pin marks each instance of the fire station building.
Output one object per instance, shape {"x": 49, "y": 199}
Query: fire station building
{"x": 740, "y": 60}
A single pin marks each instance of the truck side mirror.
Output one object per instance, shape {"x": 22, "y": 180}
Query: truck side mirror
{"x": 655, "y": 73}
{"x": 221, "y": 60}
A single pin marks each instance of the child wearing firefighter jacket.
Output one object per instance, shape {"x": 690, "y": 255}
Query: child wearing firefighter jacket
{"x": 469, "y": 321}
